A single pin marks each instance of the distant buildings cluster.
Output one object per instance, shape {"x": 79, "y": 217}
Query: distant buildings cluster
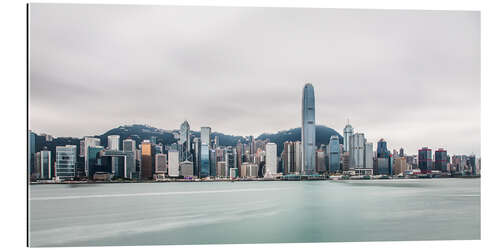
{"x": 204, "y": 157}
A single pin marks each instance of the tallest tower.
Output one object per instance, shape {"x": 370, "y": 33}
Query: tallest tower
{"x": 308, "y": 130}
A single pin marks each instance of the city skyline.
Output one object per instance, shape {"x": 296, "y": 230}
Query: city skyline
{"x": 412, "y": 84}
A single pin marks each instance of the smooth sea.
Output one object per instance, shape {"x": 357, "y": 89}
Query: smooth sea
{"x": 253, "y": 212}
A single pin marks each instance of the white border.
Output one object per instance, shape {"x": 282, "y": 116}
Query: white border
{"x": 13, "y": 98}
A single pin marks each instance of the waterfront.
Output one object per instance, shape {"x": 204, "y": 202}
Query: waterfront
{"x": 254, "y": 212}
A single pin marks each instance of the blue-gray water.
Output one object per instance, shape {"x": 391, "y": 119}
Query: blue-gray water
{"x": 254, "y": 212}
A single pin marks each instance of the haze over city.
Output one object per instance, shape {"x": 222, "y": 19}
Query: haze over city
{"x": 410, "y": 77}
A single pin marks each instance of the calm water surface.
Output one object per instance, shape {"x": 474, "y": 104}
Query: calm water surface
{"x": 254, "y": 212}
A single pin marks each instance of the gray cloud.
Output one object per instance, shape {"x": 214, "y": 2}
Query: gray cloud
{"x": 411, "y": 77}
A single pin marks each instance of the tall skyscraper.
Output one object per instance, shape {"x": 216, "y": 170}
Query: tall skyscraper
{"x": 129, "y": 145}
{"x": 173, "y": 163}
{"x": 298, "y": 156}
{"x": 348, "y": 132}
{"x": 66, "y": 161}
{"x": 147, "y": 160}
{"x": 288, "y": 157}
{"x": 89, "y": 142}
{"x": 43, "y": 162}
{"x": 271, "y": 158}
{"x": 357, "y": 151}
{"x": 230, "y": 159}
{"x": 308, "y": 132}
{"x": 31, "y": 151}
{"x": 205, "y": 133}
{"x": 441, "y": 160}
{"x": 213, "y": 162}
{"x": 160, "y": 163}
{"x": 196, "y": 156}
{"x": 334, "y": 154}
{"x": 185, "y": 142}
{"x": 368, "y": 155}
{"x": 321, "y": 160}
{"x": 425, "y": 159}
{"x": 204, "y": 160}
{"x": 114, "y": 142}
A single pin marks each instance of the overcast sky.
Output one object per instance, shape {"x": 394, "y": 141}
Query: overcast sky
{"x": 410, "y": 77}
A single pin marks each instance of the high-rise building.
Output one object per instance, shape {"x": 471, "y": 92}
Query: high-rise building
{"x": 129, "y": 145}
{"x": 401, "y": 152}
{"x": 308, "y": 133}
{"x": 31, "y": 151}
{"x": 233, "y": 172}
{"x": 185, "y": 141}
{"x": 357, "y": 151}
{"x": 334, "y": 154}
{"x": 43, "y": 162}
{"x": 230, "y": 159}
{"x": 186, "y": 169}
{"x": 425, "y": 159}
{"x": 95, "y": 162}
{"x": 173, "y": 163}
{"x": 400, "y": 165}
{"x": 205, "y": 133}
{"x": 196, "y": 156}
{"x": 368, "y": 155}
{"x": 114, "y": 142}
{"x": 382, "y": 151}
{"x": 441, "y": 160}
{"x": 271, "y": 158}
{"x": 321, "y": 160}
{"x": 288, "y": 156}
{"x": 147, "y": 160}
{"x": 204, "y": 160}
{"x": 65, "y": 162}
{"x": 160, "y": 163}
{"x": 298, "y": 156}
{"x": 221, "y": 168}
{"x": 471, "y": 162}
{"x": 89, "y": 142}
{"x": 213, "y": 163}
{"x": 348, "y": 132}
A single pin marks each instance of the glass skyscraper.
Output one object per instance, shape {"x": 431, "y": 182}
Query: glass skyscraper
{"x": 334, "y": 154}
{"x": 66, "y": 161}
{"x": 308, "y": 130}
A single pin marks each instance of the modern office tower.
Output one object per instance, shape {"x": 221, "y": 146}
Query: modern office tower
{"x": 320, "y": 161}
{"x": 160, "y": 163}
{"x": 114, "y": 142}
{"x": 196, "y": 156}
{"x": 383, "y": 166}
{"x": 357, "y": 151}
{"x": 334, "y": 154}
{"x": 95, "y": 162}
{"x": 213, "y": 162}
{"x": 185, "y": 142}
{"x": 147, "y": 160}
{"x": 271, "y": 158}
{"x": 186, "y": 169}
{"x": 243, "y": 172}
{"x": 425, "y": 159}
{"x": 31, "y": 151}
{"x": 138, "y": 158}
{"x": 441, "y": 160}
{"x": 173, "y": 163}
{"x": 459, "y": 162}
{"x": 297, "y": 147}
{"x": 216, "y": 141}
{"x": 129, "y": 145}
{"x": 158, "y": 148}
{"x": 205, "y": 133}
{"x": 233, "y": 172}
{"x": 239, "y": 155}
{"x": 66, "y": 162}
{"x": 400, "y": 165}
{"x": 345, "y": 161}
{"x": 82, "y": 148}
{"x": 126, "y": 167}
{"x": 308, "y": 133}
{"x": 43, "y": 167}
{"x": 368, "y": 155}
{"x": 401, "y": 152}
{"x": 89, "y": 142}
{"x": 382, "y": 151}
{"x": 348, "y": 132}
{"x": 204, "y": 160}
{"x": 288, "y": 157}
{"x": 230, "y": 159}
{"x": 471, "y": 162}
{"x": 221, "y": 168}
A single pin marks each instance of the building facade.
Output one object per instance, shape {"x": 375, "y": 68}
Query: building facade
{"x": 308, "y": 132}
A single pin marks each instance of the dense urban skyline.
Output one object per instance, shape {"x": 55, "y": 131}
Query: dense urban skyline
{"x": 410, "y": 77}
